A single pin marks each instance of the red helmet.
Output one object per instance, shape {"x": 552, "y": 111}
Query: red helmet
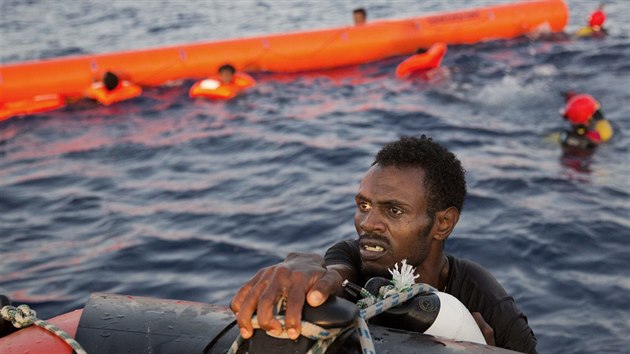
{"x": 580, "y": 108}
{"x": 597, "y": 18}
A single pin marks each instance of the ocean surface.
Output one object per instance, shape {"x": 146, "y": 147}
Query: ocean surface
{"x": 167, "y": 197}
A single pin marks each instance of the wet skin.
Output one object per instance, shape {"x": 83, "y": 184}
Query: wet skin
{"x": 226, "y": 77}
{"x": 391, "y": 219}
{"x": 359, "y": 19}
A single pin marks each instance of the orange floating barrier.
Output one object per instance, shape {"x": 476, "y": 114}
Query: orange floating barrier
{"x": 291, "y": 52}
{"x": 213, "y": 88}
{"x": 430, "y": 59}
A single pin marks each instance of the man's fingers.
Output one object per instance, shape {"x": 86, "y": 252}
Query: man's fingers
{"x": 248, "y": 307}
{"x": 267, "y": 302}
{"x": 241, "y": 295}
{"x": 328, "y": 284}
{"x": 293, "y": 314}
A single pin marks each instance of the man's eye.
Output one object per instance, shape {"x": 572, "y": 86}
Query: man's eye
{"x": 395, "y": 211}
{"x": 363, "y": 206}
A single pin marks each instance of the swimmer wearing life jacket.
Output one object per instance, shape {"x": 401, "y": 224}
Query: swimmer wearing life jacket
{"x": 226, "y": 85}
{"x": 589, "y": 128}
{"x": 595, "y": 25}
{"x": 112, "y": 89}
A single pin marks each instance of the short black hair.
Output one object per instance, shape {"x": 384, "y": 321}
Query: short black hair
{"x": 227, "y": 67}
{"x": 361, "y": 11}
{"x": 110, "y": 80}
{"x": 445, "y": 179}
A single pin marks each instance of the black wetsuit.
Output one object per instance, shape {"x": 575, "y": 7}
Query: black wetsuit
{"x": 474, "y": 286}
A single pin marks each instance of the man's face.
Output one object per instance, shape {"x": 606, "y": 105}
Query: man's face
{"x": 391, "y": 219}
{"x": 359, "y": 19}
{"x": 226, "y": 76}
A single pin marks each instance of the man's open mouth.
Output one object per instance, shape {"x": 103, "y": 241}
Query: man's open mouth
{"x": 372, "y": 249}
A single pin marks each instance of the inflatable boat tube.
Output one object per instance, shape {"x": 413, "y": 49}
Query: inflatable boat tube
{"x": 130, "y": 324}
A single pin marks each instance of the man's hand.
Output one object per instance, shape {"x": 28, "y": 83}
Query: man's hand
{"x": 486, "y": 330}
{"x": 300, "y": 277}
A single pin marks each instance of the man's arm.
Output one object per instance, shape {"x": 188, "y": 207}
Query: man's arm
{"x": 300, "y": 277}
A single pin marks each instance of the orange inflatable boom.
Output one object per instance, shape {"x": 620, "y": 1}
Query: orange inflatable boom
{"x": 291, "y": 52}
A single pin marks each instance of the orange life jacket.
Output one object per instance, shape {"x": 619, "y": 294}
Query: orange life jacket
{"x": 124, "y": 91}
{"x": 213, "y": 88}
{"x": 428, "y": 60}
{"x": 37, "y": 104}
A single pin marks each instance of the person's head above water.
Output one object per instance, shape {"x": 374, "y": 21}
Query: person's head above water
{"x": 408, "y": 203}
{"x": 579, "y": 108}
{"x": 226, "y": 73}
{"x": 110, "y": 80}
{"x": 444, "y": 179}
{"x": 597, "y": 18}
{"x": 359, "y": 15}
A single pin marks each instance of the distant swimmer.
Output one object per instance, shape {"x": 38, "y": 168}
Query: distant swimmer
{"x": 360, "y": 16}
{"x": 595, "y": 25}
{"x": 227, "y": 84}
{"x": 588, "y": 129}
{"x": 112, "y": 89}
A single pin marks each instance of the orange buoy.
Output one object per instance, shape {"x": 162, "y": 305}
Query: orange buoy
{"x": 428, "y": 60}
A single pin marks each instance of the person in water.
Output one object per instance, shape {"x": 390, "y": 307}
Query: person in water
{"x": 595, "y": 24}
{"x": 225, "y": 85}
{"x": 589, "y": 127}
{"x": 408, "y": 203}
{"x": 112, "y": 89}
{"x": 110, "y": 81}
{"x": 359, "y": 16}
{"x": 226, "y": 74}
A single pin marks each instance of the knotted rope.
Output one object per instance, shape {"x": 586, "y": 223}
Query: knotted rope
{"x": 22, "y": 316}
{"x": 379, "y": 307}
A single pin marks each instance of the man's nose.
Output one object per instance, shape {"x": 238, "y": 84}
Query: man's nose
{"x": 372, "y": 221}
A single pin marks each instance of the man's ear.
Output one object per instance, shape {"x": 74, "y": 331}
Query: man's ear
{"x": 445, "y": 221}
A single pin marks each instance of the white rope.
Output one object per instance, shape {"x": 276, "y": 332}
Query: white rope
{"x": 22, "y": 316}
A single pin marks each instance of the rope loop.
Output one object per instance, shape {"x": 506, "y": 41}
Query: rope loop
{"x": 21, "y": 316}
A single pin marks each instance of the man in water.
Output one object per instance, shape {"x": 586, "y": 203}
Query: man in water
{"x": 112, "y": 89}
{"x": 226, "y": 73}
{"x": 110, "y": 81}
{"x": 360, "y": 16}
{"x": 407, "y": 205}
{"x": 589, "y": 127}
{"x": 595, "y": 24}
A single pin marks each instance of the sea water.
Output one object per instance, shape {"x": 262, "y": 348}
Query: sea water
{"x": 167, "y": 197}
